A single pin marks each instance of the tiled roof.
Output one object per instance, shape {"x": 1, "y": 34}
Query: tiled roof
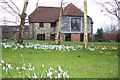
{"x": 72, "y": 10}
{"x": 45, "y": 14}
{"x": 51, "y": 14}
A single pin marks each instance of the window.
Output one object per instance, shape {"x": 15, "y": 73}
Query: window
{"x": 40, "y": 36}
{"x": 52, "y": 37}
{"x": 67, "y": 37}
{"x": 41, "y": 24}
{"x": 75, "y": 24}
{"x": 53, "y": 24}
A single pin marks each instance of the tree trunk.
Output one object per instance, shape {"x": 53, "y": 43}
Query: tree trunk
{"x": 21, "y": 31}
{"x": 22, "y": 23}
{"x": 85, "y": 26}
{"x": 57, "y": 39}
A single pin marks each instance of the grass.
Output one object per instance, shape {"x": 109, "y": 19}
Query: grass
{"x": 79, "y": 63}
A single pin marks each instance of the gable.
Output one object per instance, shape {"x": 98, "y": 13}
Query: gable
{"x": 72, "y": 10}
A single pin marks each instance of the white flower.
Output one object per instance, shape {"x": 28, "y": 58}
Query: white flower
{"x": 55, "y": 77}
{"x": 59, "y": 68}
{"x": 0, "y": 64}
{"x": 9, "y": 66}
{"x": 23, "y": 68}
{"x": 17, "y": 68}
{"x": 6, "y": 64}
{"x": 2, "y": 61}
{"x": 59, "y": 75}
{"x": 29, "y": 65}
{"x": 3, "y": 68}
{"x": 31, "y": 68}
{"x": 43, "y": 66}
{"x": 65, "y": 75}
{"x": 21, "y": 46}
{"x": 49, "y": 74}
{"x": 50, "y": 68}
{"x": 34, "y": 75}
{"x": 6, "y": 69}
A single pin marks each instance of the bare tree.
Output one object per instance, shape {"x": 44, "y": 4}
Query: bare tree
{"x": 110, "y": 6}
{"x": 13, "y": 9}
{"x": 110, "y": 32}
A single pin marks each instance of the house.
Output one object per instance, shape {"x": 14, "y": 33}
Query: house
{"x": 12, "y": 31}
{"x": 43, "y": 23}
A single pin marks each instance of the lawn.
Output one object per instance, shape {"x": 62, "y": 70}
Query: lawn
{"x": 98, "y": 63}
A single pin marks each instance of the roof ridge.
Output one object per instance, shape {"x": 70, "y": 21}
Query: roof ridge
{"x": 47, "y": 7}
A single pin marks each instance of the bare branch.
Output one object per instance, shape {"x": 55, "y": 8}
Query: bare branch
{"x": 16, "y": 7}
{"x": 110, "y": 7}
{"x": 8, "y": 11}
{"x": 11, "y": 8}
{"x": 4, "y": 20}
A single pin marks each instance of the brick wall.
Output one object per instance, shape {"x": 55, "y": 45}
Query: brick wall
{"x": 62, "y": 37}
{"x": 75, "y": 37}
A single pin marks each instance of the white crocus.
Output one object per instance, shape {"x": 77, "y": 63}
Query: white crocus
{"x": 50, "y": 69}
{"x": 21, "y": 46}
{"x": 59, "y": 68}
{"x": 33, "y": 68}
{"x": 65, "y": 75}
{"x": 17, "y": 68}
{"x": 6, "y": 64}
{"x": 59, "y": 75}
{"x": 6, "y": 70}
{"x": 49, "y": 74}
{"x": 3, "y": 68}
{"x": 43, "y": 66}
{"x": 34, "y": 75}
{"x": 9, "y": 66}
{"x": 2, "y": 61}
{"x": 29, "y": 65}
{"x": 23, "y": 68}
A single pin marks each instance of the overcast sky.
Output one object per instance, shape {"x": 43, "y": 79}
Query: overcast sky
{"x": 94, "y": 10}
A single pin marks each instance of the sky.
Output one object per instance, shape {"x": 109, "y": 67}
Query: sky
{"x": 93, "y": 10}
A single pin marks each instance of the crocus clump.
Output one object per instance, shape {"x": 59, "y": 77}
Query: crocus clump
{"x": 29, "y": 71}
